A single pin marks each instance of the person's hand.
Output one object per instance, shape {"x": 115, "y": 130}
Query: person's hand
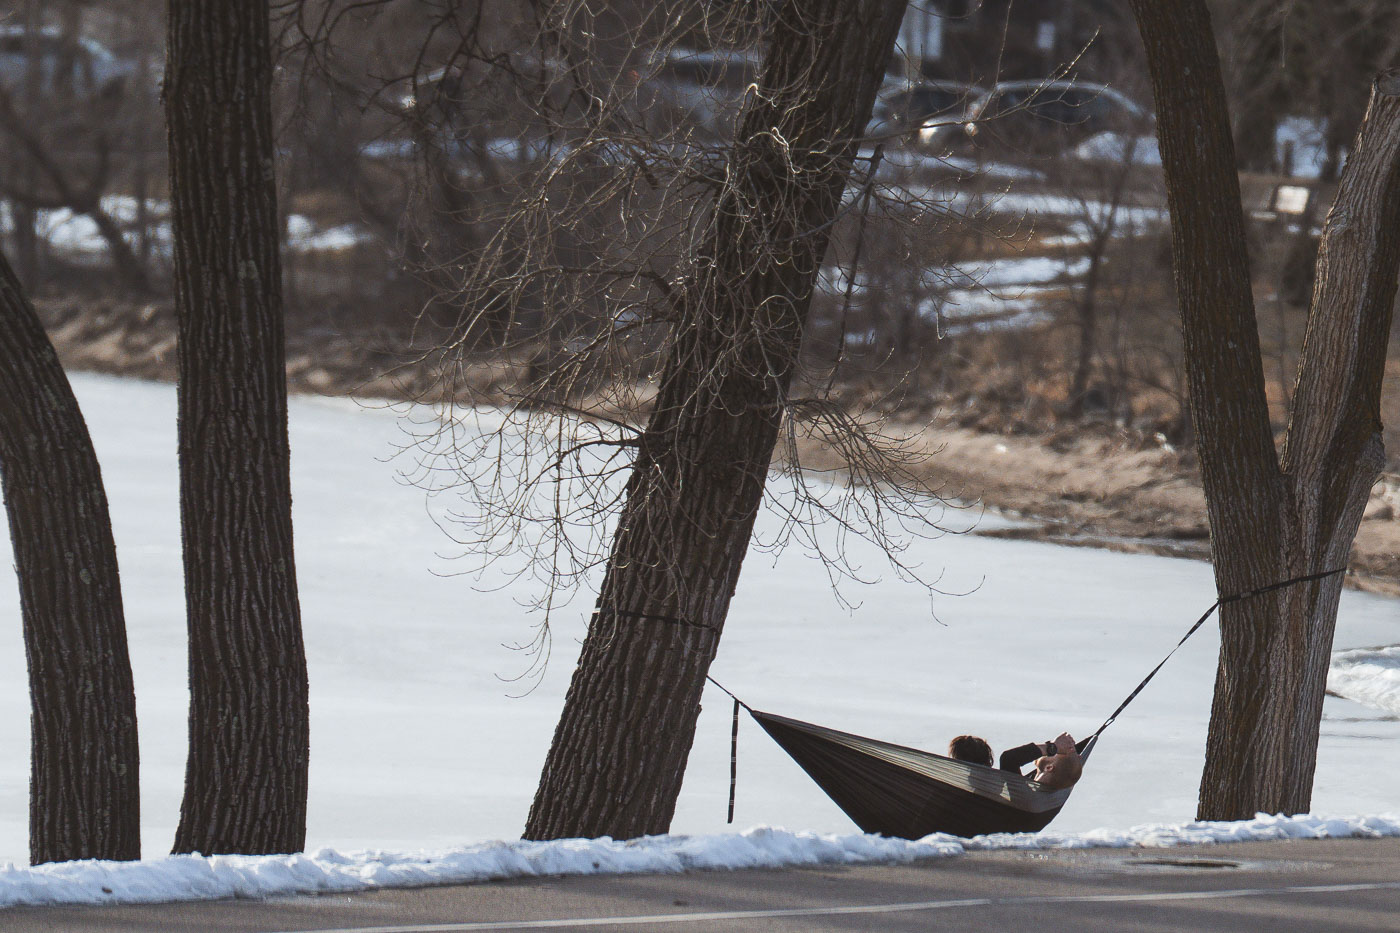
{"x": 1064, "y": 743}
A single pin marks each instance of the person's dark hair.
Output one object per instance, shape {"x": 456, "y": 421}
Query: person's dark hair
{"x": 970, "y": 748}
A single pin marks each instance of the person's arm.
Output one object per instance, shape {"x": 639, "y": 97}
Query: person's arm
{"x": 1014, "y": 759}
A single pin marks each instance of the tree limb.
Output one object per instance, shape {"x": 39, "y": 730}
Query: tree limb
{"x": 1343, "y": 358}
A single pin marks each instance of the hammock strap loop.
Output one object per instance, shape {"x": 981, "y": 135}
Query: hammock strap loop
{"x": 733, "y": 743}
{"x": 734, "y": 759}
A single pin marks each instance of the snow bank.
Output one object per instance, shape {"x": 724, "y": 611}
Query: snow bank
{"x": 1263, "y": 828}
{"x": 194, "y": 877}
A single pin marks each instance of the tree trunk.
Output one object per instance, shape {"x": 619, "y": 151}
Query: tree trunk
{"x": 84, "y": 797}
{"x": 23, "y": 222}
{"x": 245, "y": 779}
{"x": 23, "y": 219}
{"x": 131, "y": 271}
{"x": 620, "y": 748}
{"x": 1273, "y": 519}
{"x": 1088, "y": 319}
{"x": 1087, "y": 310}
{"x": 1334, "y": 452}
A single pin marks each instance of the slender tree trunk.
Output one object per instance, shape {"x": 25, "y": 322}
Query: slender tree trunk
{"x": 22, "y": 174}
{"x": 84, "y": 797}
{"x": 620, "y": 749}
{"x": 129, "y": 267}
{"x": 1272, "y": 519}
{"x": 1088, "y": 320}
{"x": 1087, "y": 310}
{"x": 245, "y": 780}
{"x": 26, "y": 239}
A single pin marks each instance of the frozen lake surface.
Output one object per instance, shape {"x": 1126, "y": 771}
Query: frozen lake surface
{"x": 423, "y": 739}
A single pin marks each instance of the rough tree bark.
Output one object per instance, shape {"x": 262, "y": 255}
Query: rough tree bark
{"x": 245, "y": 779}
{"x": 1273, "y": 516}
{"x": 84, "y": 799}
{"x": 619, "y": 751}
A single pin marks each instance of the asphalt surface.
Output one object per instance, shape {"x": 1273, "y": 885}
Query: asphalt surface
{"x": 1329, "y": 886}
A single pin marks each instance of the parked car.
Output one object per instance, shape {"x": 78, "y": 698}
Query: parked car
{"x": 61, "y": 64}
{"x": 905, "y": 109}
{"x": 1039, "y": 119}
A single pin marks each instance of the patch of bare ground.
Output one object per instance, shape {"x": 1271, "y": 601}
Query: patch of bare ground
{"x": 1089, "y": 484}
{"x": 1099, "y": 486}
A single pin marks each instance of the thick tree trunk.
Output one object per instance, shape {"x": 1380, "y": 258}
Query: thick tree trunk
{"x": 1334, "y": 452}
{"x": 245, "y": 779}
{"x": 84, "y": 798}
{"x": 1271, "y": 519}
{"x": 620, "y": 749}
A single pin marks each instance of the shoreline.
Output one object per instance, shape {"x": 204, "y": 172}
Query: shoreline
{"x": 1087, "y": 484}
{"x": 1101, "y": 487}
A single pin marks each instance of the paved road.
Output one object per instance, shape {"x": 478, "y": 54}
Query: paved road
{"x": 1328, "y": 886}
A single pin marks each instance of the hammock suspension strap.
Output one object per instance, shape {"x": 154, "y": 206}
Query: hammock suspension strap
{"x": 1234, "y": 597}
{"x": 733, "y": 761}
{"x": 733, "y": 744}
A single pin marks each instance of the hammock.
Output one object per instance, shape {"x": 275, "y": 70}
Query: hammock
{"x": 897, "y": 791}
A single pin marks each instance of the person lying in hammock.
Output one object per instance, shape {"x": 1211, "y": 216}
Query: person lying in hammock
{"x": 1057, "y": 763}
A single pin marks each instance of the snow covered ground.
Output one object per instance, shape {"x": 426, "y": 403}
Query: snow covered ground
{"x": 77, "y": 236}
{"x": 424, "y": 743}
{"x": 187, "y": 878}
